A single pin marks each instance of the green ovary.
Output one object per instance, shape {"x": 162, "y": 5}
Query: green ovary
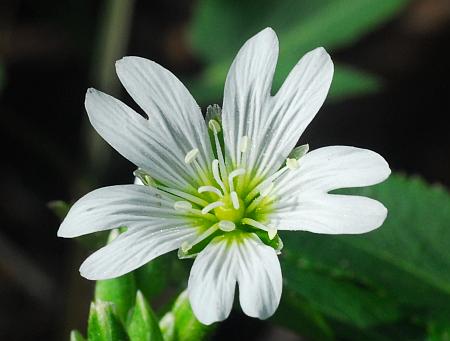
{"x": 228, "y": 212}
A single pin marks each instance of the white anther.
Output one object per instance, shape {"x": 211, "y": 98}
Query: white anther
{"x": 216, "y": 174}
{"x": 214, "y": 126}
{"x": 212, "y": 206}
{"x": 243, "y": 144}
{"x": 235, "y": 200}
{"x": 226, "y": 225}
{"x": 191, "y": 156}
{"x": 292, "y": 163}
{"x": 182, "y": 206}
{"x": 211, "y": 189}
{"x": 234, "y": 174}
{"x": 266, "y": 189}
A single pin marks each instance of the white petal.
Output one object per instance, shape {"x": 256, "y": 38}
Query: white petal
{"x": 133, "y": 249}
{"x": 212, "y": 281}
{"x": 294, "y": 106}
{"x": 168, "y": 104}
{"x": 272, "y": 124}
{"x": 259, "y": 278}
{"x": 225, "y": 261}
{"x": 140, "y": 141}
{"x": 329, "y": 213}
{"x": 247, "y": 89}
{"x": 330, "y": 168}
{"x": 110, "y": 207}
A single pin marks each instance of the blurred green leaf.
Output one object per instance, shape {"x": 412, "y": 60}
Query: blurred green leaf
{"x": 220, "y": 27}
{"x": 75, "y": 335}
{"x": 143, "y": 324}
{"x": 59, "y": 207}
{"x": 120, "y": 291}
{"x": 439, "y": 331}
{"x": 346, "y": 82}
{"x": 103, "y": 324}
{"x": 399, "y": 271}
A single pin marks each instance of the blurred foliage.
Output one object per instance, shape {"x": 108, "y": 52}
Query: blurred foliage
{"x": 397, "y": 275}
{"x": 220, "y": 27}
{"x": 2, "y": 76}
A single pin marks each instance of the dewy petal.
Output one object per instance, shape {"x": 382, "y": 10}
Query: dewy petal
{"x": 134, "y": 248}
{"x": 168, "y": 104}
{"x": 247, "y": 90}
{"x": 139, "y": 140}
{"x": 331, "y": 168}
{"x": 111, "y": 207}
{"x": 212, "y": 281}
{"x": 272, "y": 124}
{"x": 330, "y": 214}
{"x": 293, "y": 107}
{"x": 259, "y": 278}
{"x": 303, "y": 200}
{"x": 225, "y": 261}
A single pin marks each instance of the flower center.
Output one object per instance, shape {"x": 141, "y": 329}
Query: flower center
{"x": 228, "y": 212}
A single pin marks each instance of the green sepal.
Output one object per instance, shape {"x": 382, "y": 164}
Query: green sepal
{"x": 187, "y": 327}
{"x": 151, "y": 278}
{"x": 144, "y": 177}
{"x": 120, "y": 291}
{"x": 299, "y": 152}
{"x": 167, "y": 326}
{"x": 75, "y": 335}
{"x": 103, "y": 324}
{"x": 143, "y": 324}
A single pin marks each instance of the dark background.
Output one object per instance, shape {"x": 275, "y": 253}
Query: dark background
{"x": 48, "y": 53}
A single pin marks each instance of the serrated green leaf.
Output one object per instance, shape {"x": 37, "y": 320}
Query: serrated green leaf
{"x": 438, "y": 331}
{"x": 103, "y": 324}
{"x": 143, "y": 324}
{"x": 120, "y": 291}
{"x": 75, "y": 335}
{"x": 396, "y": 271}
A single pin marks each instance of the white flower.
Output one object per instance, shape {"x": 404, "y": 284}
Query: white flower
{"x": 219, "y": 191}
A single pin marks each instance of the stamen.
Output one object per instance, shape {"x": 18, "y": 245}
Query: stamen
{"x": 271, "y": 231}
{"x": 182, "y": 206}
{"x": 204, "y": 235}
{"x": 226, "y": 225}
{"x": 215, "y": 169}
{"x": 235, "y": 200}
{"x": 212, "y": 189}
{"x": 212, "y": 206}
{"x": 191, "y": 156}
{"x": 292, "y": 164}
{"x": 257, "y": 188}
{"x": 243, "y": 144}
{"x": 183, "y": 195}
{"x": 232, "y": 175}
